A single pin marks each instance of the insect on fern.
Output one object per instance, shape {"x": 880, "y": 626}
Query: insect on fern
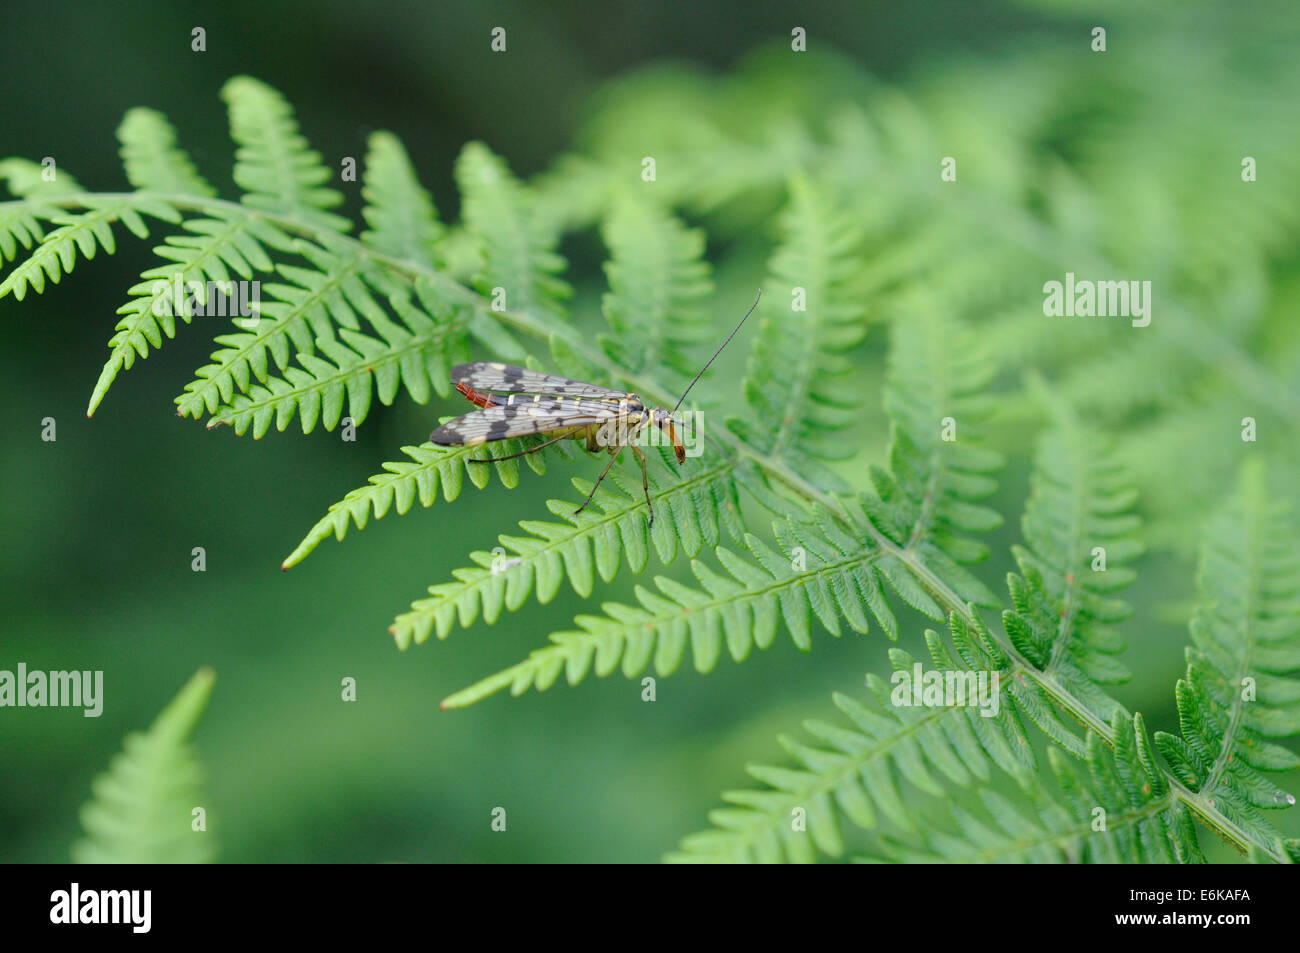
{"x": 349, "y": 318}
{"x": 606, "y": 419}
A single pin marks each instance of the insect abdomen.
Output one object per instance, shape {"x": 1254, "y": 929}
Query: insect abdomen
{"x": 478, "y": 398}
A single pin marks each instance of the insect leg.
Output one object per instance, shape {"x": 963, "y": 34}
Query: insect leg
{"x": 521, "y": 453}
{"x": 645, "y": 483}
{"x": 598, "y": 479}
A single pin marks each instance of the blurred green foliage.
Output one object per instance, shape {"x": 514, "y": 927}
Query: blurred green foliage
{"x": 1125, "y": 162}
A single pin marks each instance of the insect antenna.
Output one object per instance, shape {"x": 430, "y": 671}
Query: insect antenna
{"x": 734, "y": 332}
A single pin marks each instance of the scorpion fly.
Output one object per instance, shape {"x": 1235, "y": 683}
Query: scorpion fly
{"x": 537, "y": 403}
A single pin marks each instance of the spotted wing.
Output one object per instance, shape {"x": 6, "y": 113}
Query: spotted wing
{"x": 509, "y": 379}
{"x": 503, "y": 421}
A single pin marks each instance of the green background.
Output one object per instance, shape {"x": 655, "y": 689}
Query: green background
{"x": 99, "y": 525}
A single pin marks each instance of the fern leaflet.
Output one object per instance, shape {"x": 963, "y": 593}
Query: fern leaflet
{"x": 274, "y": 165}
{"x": 1240, "y": 692}
{"x": 142, "y": 807}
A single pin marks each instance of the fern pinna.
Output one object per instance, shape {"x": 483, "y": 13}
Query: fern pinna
{"x": 147, "y": 807}
{"x": 781, "y": 536}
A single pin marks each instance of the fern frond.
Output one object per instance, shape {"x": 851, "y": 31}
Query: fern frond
{"x": 518, "y": 254}
{"x": 153, "y": 160}
{"x": 340, "y": 363}
{"x": 821, "y": 571}
{"x": 1241, "y": 694}
{"x": 1079, "y": 534}
{"x": 141, "y": 810}
{"x": 1078, "y": 499}
{"x": 657, "y": 280}
{"x": 20, "y": 222}
{"x": 350, "y": 369}
{"x": 290, "y": 317}
{"x": 858, "y": 775}
{"x": 691, "y": 508}
{"x": 31, "y": 180}
{"x": 813, "y": 313}
{"x": 83, "y": 233}
{"x": 1118, "y": 810}
{"x": 827, "y": 564}
{"x": 928, "y": 501}
{"x": 274, "y": 165}
{"x": 403, "y": 482}
{"x": 206, "y": 252}
{"x": 655, "y": 277}
{"x": 401, "y": 215}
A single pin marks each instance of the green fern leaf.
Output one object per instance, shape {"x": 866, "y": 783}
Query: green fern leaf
{"x": 1078, "y": 499}
{"x": 517, "y": 249}
{"x": 141, "y": 811}
{"x": 928, "y": 500}
{"x": 1079, "y": 534}
{"x": 741, "y": 610}
{"x": 1116, "y": 812}
{"x": 858, "y": 775}
{"x": 20, "y": 222}
{"x": 657, "y": 279}
{"x": 207, "y": 252}
{"x": 82, "y": 233}
{"x": 403, "y": 221}
{"x": 824, "y": 568}
{"x": 419, "y": 478}
{"x": 1239, "y": 695}
{"x": 152, "y": 158}
{"x": 274, "y": 165}
{"x": 690, "y": 508}
{"x": 797, "y": 384}
{"x": 349, "y": 370}
{"x": 32, "y": 180}
{"x": 290, "y": 317}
